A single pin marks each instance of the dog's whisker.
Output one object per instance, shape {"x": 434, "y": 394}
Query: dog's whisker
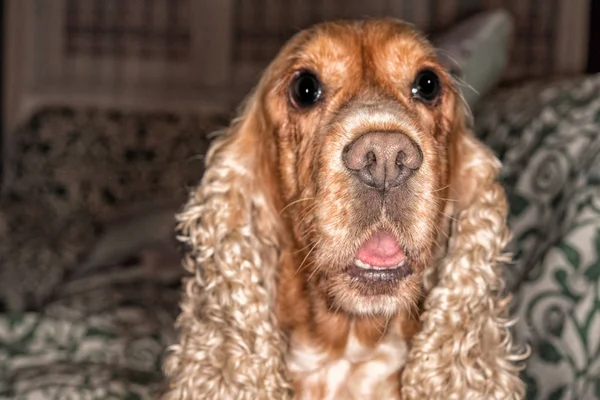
{"x": 450, "y": 217}
{"x": 306, "y": 258}
{"x": 302, "y": 249}
{"x": 315, "y": 270}
{"x": 295, "y": 202}
{"x": 446, "y": 199}
{"x": 435, "y": 239}
{"x": 462, "y": 82}
{"x": 440, "y": 189}
{"x": 449, "y": 56}
{"x": 440, "y": 231}
{"x": 308, "y": 212}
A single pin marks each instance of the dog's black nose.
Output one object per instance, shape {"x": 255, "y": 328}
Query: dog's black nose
{"x": 383, "y": 160}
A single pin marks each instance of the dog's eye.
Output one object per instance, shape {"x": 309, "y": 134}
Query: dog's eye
{"x": 305, "y": 89}
{"x": 426, "y": 86}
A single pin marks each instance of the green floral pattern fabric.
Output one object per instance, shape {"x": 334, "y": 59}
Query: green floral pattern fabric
{"x": 548, "y": 137}
{"x": 103, "y": 335}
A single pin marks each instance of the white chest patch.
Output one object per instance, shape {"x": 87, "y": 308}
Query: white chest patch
{"x": 360, "y": 373}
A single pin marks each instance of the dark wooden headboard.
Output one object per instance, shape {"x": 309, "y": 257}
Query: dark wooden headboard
{"x": 594, "y": 38}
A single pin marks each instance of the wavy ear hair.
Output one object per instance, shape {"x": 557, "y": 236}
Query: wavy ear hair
{"x": 464, "y": 349}
{"x": 230, "y": 346}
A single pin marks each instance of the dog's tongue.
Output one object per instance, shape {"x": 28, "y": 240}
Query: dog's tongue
{"x": 382, "y": 251}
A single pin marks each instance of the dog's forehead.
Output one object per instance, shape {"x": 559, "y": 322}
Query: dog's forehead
{"x": 341, "y": 48}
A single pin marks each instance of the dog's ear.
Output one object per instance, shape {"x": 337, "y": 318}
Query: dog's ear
{"x": 230, "y": 346}
{"x": 464, "y": 349}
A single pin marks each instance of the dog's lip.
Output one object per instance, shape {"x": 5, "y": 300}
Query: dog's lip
{"x": 375, "y": 275}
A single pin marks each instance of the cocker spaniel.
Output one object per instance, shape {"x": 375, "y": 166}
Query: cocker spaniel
{"x": 344, "y": 239}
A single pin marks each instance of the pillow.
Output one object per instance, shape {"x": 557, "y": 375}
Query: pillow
{"x": 476, "y": 51}
{"x": 153, "y": 229}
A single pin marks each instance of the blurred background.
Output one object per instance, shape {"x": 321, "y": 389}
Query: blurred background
{"x": 107, "y": 107}
{"x": 179, "y": 53}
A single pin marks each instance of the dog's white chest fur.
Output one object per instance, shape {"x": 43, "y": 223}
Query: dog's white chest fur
{"x": 360, "y": 373}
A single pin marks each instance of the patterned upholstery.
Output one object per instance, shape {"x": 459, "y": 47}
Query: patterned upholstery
{"x": 548, "y": 136}
{"x": 74, "y": 172}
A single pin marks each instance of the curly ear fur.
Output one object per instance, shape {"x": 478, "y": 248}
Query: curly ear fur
{"x": 230, "y": 346}
{"x": 464, "y": 349}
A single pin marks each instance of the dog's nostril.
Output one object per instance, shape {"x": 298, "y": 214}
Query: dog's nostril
{"x": 400, "y": 158}
{"x": 370, "y": 158}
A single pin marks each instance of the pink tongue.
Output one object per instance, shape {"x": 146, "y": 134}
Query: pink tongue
{"x": 382, "y": 250}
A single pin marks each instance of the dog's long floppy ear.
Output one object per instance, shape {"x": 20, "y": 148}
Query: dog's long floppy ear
{"x": 230, "y": 346}
{"x": 464, "y": 349}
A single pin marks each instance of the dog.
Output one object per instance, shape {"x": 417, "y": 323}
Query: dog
{"x": 344, "y": 239}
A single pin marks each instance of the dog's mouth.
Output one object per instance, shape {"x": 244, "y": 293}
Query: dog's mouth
{"x": 380, "y": 260}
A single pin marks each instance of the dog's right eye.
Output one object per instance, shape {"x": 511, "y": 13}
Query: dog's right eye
{"x": 305, "y": 89}
{"x": 426, "y": 86}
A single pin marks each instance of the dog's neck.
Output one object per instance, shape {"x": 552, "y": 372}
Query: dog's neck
{"x": 334, "y": 355}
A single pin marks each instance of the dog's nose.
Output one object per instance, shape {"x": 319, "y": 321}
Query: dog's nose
{"x": 383, "y": 160}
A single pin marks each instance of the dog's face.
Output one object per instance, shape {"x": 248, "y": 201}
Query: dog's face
{"x": 364, "y": 117}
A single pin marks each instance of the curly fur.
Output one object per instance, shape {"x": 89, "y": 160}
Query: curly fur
{"x": 234, "y": 331}
{"x": 229, "y": 335}
{"x": 473, "y": 356}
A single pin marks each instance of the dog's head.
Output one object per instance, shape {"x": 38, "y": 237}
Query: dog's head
{"x": 362, "y": 127}
{"x": 354, "y": 151}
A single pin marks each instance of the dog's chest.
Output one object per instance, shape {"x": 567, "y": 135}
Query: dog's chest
{"x": 360, "y": 373}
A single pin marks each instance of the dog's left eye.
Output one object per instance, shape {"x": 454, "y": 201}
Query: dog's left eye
{"x": 426, "y": 86}
{"x": 305, "y": 89}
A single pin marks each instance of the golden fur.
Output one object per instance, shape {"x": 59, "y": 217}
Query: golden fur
{"x": 271, "y": 312}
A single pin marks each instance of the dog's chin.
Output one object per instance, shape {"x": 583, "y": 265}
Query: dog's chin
{"x": 375, "y": 293}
